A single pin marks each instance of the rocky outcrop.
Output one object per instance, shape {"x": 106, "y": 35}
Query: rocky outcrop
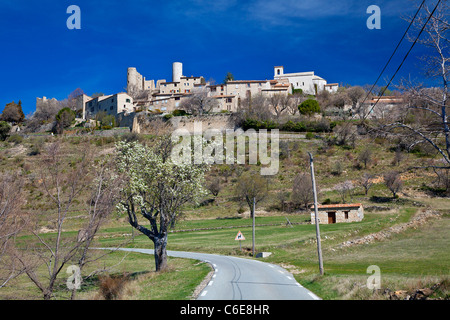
{"x": 416, "y": 294}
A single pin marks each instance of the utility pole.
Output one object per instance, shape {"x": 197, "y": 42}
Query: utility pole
{"x": 253, "y": 225}
{"x": 316, "y": 213}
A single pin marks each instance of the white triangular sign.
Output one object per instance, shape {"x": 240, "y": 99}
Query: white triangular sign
{"x": 239, "y": 236}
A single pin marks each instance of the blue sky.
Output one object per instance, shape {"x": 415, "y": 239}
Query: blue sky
{"x": 41, "y": 57}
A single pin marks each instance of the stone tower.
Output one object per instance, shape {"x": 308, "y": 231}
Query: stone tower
{"x": 134, "y": 80}
{"x": 177, "y": 71}
{"x": 278, "y": 71}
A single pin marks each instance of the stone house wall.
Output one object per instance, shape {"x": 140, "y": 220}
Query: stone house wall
{"x": 338, "y": 214}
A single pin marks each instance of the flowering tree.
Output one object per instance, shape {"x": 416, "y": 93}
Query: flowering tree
{"x": 156, "y": 189}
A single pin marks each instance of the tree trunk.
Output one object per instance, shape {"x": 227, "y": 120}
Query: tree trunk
{"x": 160, "y": 252}
{"x": 48, "y": 294}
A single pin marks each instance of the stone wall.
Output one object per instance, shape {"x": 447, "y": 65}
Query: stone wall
{"x": 154, "y": 124}
{"x": 216, "y": 121}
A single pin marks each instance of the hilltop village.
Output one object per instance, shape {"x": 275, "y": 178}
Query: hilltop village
{"x": 162, "y": 96}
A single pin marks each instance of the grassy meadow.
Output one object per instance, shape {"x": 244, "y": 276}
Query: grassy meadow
{"x": 414, "y": 258}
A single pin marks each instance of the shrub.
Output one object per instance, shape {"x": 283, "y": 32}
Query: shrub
{"x": 257, "y": 125}
{"x": 34, "y": 150}
{"x": 108, "y": 120}
{"x": 111, "y": 287}
{"x": 310, "y": 135}
{"x": 4, "y": 130}
{"x": 309, "y": 107}
{"x": 15, "y": 138}
{"x": 178, "y": 113}
{"x": 65, "y": 116}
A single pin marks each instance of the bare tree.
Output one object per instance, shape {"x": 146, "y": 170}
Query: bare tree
{"x": 339, "y": 100}
{"x": 434, "y": 128}
{"x": 365, "y": 157}
{"x": 199, "y": 102}
{"x": 254, "y": 107}
{"x": 345, "y": 134}
{"x": 443, "y": 179}
{"x": 344, "y": 188}
{"x": 214, "y": 186}
{"x": 63, "y": 182}
{"x": 393, "y": 182}
{"x": 103, "y": 194}
{"x": 251, "y": 186}
{"x": 324, "y": 99}
{"x": 366, "y": 181}
{"x": 12, "y": 221}
{"x": 302, "y": 192}
{"x": 137, "y": 93}
{"x": 280, "y": 103}
{"x": 356, "y": 94}
{"x": 294, "y": 101}
{"x": 398, "y": 157}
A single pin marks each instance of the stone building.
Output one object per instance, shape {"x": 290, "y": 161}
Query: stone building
{"x": 307, "y": 81}
{"x": 336, "y": 213}
{"x": 111, "y": 104}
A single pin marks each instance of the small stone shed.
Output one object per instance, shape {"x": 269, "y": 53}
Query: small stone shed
{"x": 336, "y": 213}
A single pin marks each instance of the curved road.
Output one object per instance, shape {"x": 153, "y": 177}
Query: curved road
{"x": 244, "y": 279}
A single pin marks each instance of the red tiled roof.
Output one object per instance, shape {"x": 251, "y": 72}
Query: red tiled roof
{"x": 245, "y": 81}
{"x": 345, "y": 205}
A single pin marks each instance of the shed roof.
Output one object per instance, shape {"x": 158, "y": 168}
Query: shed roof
{"x": 338, "y": 206}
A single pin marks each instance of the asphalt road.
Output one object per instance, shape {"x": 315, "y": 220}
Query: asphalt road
{"x": 244, "y": 279}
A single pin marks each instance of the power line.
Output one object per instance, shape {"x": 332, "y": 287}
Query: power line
{"x": 404, "y": 58}
{"x": 393, "y": 53}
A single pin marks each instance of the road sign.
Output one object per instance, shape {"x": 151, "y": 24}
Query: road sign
{"x": 239, "y": 236}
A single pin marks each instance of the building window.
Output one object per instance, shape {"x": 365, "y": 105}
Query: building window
{"x": 110, "y": 108}
{"x": 127, "y": 100}
{"x": 346, "y": 215}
